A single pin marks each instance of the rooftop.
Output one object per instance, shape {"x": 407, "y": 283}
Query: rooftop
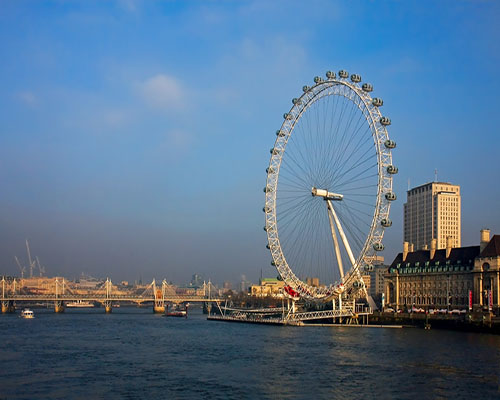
{"x": 458, "y": 255}
{"x": 492, "y": 249}
{"x": 431, "y": 183}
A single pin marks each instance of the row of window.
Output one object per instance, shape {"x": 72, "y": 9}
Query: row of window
{"x": 452, "y": 284}
{"x": 434, "y": 300}
{"x": 437, "y": 292}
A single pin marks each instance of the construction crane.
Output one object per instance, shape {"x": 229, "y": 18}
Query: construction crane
{"x": 21, "y": 268}
{"x": 31, "y": 262}
{"x": 40, "y": 268}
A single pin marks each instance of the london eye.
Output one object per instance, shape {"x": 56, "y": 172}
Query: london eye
{"x": 329, "y": 188}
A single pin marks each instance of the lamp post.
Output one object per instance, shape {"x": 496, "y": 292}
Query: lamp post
{"x": 448, "y": 293}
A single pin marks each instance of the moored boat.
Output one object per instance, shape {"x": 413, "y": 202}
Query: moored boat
{"x": 176, "y": 313}
{"x": 27, "y": 313}
{"x": 80, "y": 304}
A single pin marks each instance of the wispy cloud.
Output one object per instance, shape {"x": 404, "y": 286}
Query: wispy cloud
{"x": 128, "y": 5}
{"x": 164, "y": 92}
{"x": 27, "y": 98}
{"x": 115, "y": 118}
{"x": 176, "y": 144}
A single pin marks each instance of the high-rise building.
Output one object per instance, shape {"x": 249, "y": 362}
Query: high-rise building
{"x": 432, "y": 211}
{"x": 196, "y": 280}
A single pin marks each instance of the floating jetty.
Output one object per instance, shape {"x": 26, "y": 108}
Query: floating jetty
{"x": 347, "y": 315}
{"x": 281, "y": 321}
{"x": 227, "y": 318}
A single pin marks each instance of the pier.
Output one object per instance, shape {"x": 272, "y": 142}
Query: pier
{"x": 349, "y": 314}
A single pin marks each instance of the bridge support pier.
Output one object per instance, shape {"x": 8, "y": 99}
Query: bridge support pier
{"x": 59, "y": 307}
{"x": 107, "y": 307}
{"x": 159, "y": 309}
{"x": 8, "y": 306}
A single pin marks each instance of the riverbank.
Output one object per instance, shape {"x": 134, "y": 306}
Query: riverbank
{"x": 470, "y": 322}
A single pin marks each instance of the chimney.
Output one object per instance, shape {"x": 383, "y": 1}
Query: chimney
{"x": 425, "y": 247}
{"x": 448, "y": 246}
{"x": 405, "y": 250}
{"x": 485, "y": 239}
{"x": 411, "y": 248}
{"x": 433, "y": 249}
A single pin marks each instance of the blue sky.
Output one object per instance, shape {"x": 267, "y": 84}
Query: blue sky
{"x": 134, "y": 136}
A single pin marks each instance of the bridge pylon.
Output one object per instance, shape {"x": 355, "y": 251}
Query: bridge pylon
{"x": 59, "y": 304}
{"x": 7, "y": 305}
{"x": 159, "y": 297}
{"x": 107, "y": 302}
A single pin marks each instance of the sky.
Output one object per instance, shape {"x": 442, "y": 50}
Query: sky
{"x": 134, "y": 135}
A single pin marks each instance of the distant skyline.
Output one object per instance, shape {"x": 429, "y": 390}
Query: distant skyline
{"x": 135, "y": 135}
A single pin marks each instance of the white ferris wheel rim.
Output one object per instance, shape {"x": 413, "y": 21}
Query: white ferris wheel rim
{"x": 360, "y": 96}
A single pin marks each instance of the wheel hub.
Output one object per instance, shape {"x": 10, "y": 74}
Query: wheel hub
{"x": 326, "y": 194}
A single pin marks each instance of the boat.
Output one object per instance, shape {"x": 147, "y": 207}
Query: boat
{"x": 27, "y": 313}
{"x": 176, "y": 313}
{"x": 80, "y": 304}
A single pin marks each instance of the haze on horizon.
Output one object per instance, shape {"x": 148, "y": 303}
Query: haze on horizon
{"x": 135, "y": 135}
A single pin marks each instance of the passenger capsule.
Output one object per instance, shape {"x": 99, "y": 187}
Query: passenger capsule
{"x": 266, "y": 209}
{"x": 296, "y": 101}
{"x": 288, "y": 116}
{"x": 378, "y": 246}
{"x": 265, "y": 228}
{"x": 355, "y": 284}
{"x": 273, "y": 263}
{"x": 280, "y": 133}
{"x": 306, "y": 88}
{"x": 390, "y": 144}
{"x": 367, "y": 87}
{"x": 391, "y": 169}
{"x": 318, "y": 79}
{"x": 343, "y": 74}
{"x": 355, "y": 78}
{"x": 269, "y": 170}
{"x": 274, "y": 151}
{"x": 330, "y": 75}
{"x": 377, "y": 102}
{"x": 268, "y": 247}
{"x": 386, "y": 222}
{"x": 385, "y": 121}
{"x": 268, "y": 189}
{"x": 390, "y": 196}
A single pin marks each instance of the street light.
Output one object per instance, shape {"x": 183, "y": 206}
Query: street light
{"x": 448, "y": 293}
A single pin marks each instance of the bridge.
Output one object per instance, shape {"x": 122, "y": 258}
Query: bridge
{"x": 157, "y": 295}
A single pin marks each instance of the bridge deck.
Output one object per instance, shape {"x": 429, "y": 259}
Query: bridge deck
{"x": 101, "y": 298}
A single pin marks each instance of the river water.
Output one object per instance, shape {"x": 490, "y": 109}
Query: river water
{"x": 133, "y": 354}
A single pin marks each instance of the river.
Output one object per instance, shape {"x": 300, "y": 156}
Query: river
{"x": 134, "y": 354}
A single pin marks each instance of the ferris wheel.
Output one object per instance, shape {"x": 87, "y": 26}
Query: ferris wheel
{"x": 329, "y": 188}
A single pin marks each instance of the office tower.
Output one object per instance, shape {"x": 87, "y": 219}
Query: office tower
{"x": 432, "y": 211}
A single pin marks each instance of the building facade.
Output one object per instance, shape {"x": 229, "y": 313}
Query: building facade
{"x": 487, "y": 273}
{"x": 377, "y": 281}
{"x": 450, "y": 278}
{"x": 432, "y": 211}
{"x": 271, "y": 287}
